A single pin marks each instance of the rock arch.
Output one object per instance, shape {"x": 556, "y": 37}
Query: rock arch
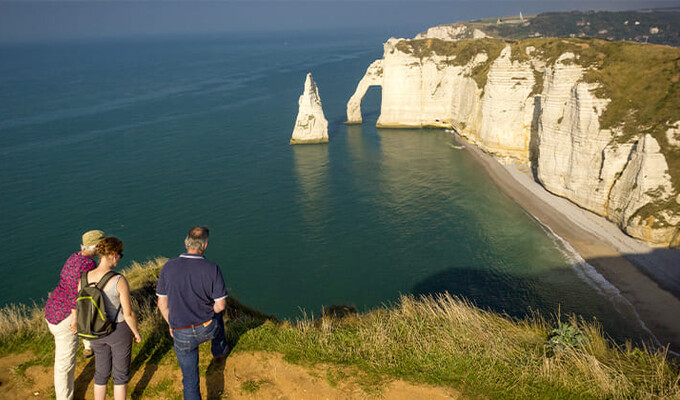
{"x": 373, "y": 77}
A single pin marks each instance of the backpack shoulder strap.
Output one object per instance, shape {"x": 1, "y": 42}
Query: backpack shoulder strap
{"x": 83, "y": 279}
{"x": 105, "y": 279}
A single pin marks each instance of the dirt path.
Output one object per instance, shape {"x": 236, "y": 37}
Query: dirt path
{"x": 243, "y": 376}
{"x": 9, "y": 387}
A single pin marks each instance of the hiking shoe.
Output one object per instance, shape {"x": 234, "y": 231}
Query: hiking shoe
{"x": 87, "y": 353}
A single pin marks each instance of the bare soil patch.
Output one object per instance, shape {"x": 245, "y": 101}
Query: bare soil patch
{"x": 12, "y": 388}
{"x": 252, "y": 375}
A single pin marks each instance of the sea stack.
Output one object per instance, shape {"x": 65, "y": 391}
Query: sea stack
{"x": 311, "y": 126}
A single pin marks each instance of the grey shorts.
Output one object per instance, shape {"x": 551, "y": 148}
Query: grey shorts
{"x": 113, "y": 352}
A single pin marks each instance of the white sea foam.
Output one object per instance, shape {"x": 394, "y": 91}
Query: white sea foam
{"x": 589, "y": 274}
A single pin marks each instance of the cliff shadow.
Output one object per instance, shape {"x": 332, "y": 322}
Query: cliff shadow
{"x": 533, "y": 138}
{"x": 662, "y": 265}
{"x": 649, "y": 284}
{"x": 623, "y": 317}
{"x": 500, "y": 293}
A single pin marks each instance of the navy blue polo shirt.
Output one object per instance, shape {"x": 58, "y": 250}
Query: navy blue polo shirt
{"x": 192, "y": 284}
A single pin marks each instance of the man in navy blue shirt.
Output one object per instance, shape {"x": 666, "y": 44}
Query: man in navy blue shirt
{"x": 191, "y": 298}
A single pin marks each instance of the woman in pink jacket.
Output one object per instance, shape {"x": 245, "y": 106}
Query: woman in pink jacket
{"x": 59, "y": 313}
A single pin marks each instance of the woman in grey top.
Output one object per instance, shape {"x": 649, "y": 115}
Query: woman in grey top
{"x": 113, "y": 352}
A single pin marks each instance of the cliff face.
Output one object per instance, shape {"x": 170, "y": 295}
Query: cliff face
{"x": 537, "y": 102}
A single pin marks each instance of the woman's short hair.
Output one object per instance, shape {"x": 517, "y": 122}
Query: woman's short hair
{"x": 109, "y": 245}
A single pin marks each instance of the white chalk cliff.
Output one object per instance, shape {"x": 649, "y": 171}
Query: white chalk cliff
{"x": 532, "y": 111}
{"x": 311, "y": 125}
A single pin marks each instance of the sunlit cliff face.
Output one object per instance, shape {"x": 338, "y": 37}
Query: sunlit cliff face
{"x": 538, "y": 103}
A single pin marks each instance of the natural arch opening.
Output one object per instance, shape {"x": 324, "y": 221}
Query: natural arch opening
{"x": 372, "y": 78}
{"x": 370, "y": 105}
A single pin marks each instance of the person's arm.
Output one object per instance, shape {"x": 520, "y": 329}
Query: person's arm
{"x": 219, "y": 305}
{"x": 126, "y": 306}
{"x": 219, "y": 292}
{"x": 165, "y": 310}
{"x": 74, "y": 321}
{"x": 162, "y": 294}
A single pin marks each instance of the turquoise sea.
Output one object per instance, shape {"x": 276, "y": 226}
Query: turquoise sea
{"x": 143, "y": 138}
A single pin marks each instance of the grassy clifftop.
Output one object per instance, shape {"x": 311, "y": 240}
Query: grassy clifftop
{"x": 442, "y": 341}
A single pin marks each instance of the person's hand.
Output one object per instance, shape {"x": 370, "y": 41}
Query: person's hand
{"x": 138, "y": 338}
{"x": 73, "y": 327}
{"x": 171, "y": 335}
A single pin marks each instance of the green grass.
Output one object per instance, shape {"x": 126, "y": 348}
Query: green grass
{"x": 163, "y": 389}
{"x": 446, "y": 341}
{"x": 23, "y": 328}
{"x": 251, "y": 386}
{"x": 439, "y": 340}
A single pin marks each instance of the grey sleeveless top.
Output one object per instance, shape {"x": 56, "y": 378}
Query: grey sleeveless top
{"x": 112, "y": 300}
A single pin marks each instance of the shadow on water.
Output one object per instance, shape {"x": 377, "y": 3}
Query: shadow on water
{"x": 500, "y": 293}
{"x": 519, "y": 296}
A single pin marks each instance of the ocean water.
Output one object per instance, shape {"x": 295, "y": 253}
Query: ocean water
{"x": 143, "y": 138}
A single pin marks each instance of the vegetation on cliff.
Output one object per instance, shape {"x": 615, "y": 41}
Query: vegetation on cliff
{"x": 457, "y": 53}
{"x": 438, "y": 340}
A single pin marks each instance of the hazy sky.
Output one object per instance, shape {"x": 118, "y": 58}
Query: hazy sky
{"x": 22, "y": 21}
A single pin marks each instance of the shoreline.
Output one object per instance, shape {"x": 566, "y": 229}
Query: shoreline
{"x": 625, "y": 266}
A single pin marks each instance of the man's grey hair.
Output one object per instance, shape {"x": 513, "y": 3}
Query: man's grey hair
{"x": 88, "y": 248}
{"x": 197, "y": 238}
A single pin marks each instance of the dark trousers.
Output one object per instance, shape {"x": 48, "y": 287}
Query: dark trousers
{"x": 113, "y": 352}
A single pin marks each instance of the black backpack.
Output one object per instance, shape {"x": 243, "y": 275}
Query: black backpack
{"x": 92, "y": 321}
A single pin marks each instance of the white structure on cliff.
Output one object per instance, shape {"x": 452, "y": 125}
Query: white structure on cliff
{"x": 311, "y": 126}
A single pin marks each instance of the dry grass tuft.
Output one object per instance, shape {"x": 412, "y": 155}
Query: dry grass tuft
{"x": 445, "y": 340}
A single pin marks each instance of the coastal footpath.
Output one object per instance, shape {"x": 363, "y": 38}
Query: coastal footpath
{"x": 597, "y": 121}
